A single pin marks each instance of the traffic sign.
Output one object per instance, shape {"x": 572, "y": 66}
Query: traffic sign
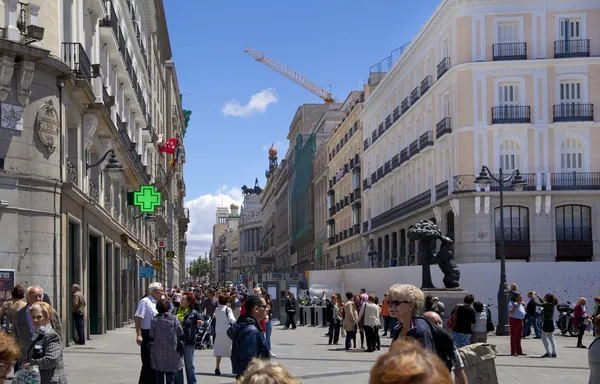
{"x": 157, "y": 264}
{"x": 170, "y": 255}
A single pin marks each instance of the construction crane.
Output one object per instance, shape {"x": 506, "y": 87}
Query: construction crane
{"x": 290, "y": 74}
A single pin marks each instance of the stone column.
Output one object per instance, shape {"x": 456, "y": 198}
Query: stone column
{"x": 110, "y": 282}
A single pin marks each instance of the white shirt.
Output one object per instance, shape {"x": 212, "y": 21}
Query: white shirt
{"x": 480, "y": 322}
{"x": 223, "y": 317}
{"x": 371, "y": 313}
{"x": 146, "y": 310}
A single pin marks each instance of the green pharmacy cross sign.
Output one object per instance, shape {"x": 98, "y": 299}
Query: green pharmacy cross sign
{"x": 146, "y": 199}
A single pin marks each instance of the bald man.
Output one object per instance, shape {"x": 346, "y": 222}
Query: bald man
{"x": 459, "y": 373}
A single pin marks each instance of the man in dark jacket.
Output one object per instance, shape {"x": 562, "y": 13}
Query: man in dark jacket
{"x": 248, "y": 339}
{"x": 532, "y": 312}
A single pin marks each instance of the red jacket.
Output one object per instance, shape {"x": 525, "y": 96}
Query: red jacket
{"x": 263, "y": 322}
{"x": 578, "y": 314}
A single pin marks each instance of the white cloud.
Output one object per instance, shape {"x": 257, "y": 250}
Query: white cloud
{"x": 202, "y": 218}
{"x": 257, "y": 104}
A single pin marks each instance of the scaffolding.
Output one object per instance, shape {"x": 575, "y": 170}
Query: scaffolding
{"x": 301, "y": 196}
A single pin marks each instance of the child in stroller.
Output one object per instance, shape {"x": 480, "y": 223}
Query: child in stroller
{"x": 204, "y": 335}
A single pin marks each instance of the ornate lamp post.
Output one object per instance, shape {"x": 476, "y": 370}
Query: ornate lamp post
{"x": 486, "y": 177}
{"x": 372, "y": 255}
{"x": 114, "y": 169}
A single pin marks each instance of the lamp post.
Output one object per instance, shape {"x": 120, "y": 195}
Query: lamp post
{"x": 339, "y": 258}
{"x": 114, "y": 169}
{"x": 372, "y": 255}
{"x": 485, "y": 178}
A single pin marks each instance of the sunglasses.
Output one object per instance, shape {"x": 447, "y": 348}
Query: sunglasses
{"x": 398, "y": 303}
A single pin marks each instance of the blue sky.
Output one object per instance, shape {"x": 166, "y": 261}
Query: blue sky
{"x": 332, "y": 43}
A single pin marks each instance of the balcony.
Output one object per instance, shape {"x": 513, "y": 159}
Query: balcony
{"x": 365, "y": 144}
{"x": 380, "y": 173}
{"x": 374, "y": 136}
{"x": 404, "y": 155}
{"x": 75, "y": 57}
{"x": 413, "y": 149}
{"x": 387, "y": 167}
{"x": 380, "y": 130}
{"x": 331, "y": 240}
{"x": 511, "y": 114}
{"x": 356, "y": 162}
{"x": 405, "y": 105}
{"x": 373, "y": 178}
{"x": 332, "y": 211}
{"x": 161, "y": 176}
{"x": 184, "y": 217}
{"x": 442, "y": 127}
{"x": 530, "y": 180}
{"x": 409, "y": 206}
{"x": 415, "y": 95}
{"x": 365, "y": 226}
{"x": 350, "y": 231}
{"x": 571, "y": 48}
{"x": 426, "y": 140}
{"x": 388, "y": 121}
{"x": 111, "y": 21}
{"x": 356, "y": 194}
{"x": 426, "y": 84}
{"x": 356, "y": 229}
{"x": 396, "y": 114}
{"x": 509, "y": 51}
{"x": 573, "y": 112}
{"x": 575, "y": 181}
{"x": 395, "y": 161}
{"x": 441, "y": 190}
{"x": 443, "y": 67}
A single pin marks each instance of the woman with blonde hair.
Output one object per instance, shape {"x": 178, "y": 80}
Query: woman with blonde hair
{"x": 266, "y": 372}
{"x": 9, "y": 353}
{"x": 407, "y": 362}
{"x": 580, "y": 314}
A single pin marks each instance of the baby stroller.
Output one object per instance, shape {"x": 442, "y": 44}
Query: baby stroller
{"x": 204, "y": 338}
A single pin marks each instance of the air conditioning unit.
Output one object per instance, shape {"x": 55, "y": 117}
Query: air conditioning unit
{"x": 161, "y": 139}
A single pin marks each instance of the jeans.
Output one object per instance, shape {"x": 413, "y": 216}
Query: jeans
{"x": 532, "y": 320}
{"x": 78, "y": 321}
{"x": 516, "y": 334}
{"x": 147, "y": 375}
{"x": 350, "y": 336}
{"x": 461, "y": 339}
{"x": 268, "y": 334}
{"x": 188, "y": 358}
{"x": 550, "y": 336}
{"x": 169, "y": 377}
{"x": 334, "y": 331}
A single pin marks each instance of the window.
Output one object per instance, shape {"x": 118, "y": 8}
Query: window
{"x": 355, "y": 216}
{"x": 400, "y": 201}
{"x": 516, "y": 223}
{"x": 428, "y": 67}
{"x": 509, "y": 155}
{"x": 570, "y": 29}
{"x": 508, "y": 32}
{"x": 409, "y": 187}
{"x": 508, "y": 94}
{"x": 571, "y": 156}
{"x": 392, "y": 196}
{"x": 355, "y": 180}
{"x": 429, "y": 176}
{"x": 570, "y": 92}
{"x": 445, "y": 49}
{"x": 445, "y": 106}
{"x": 418, "y": 183}
{"x": 573, "y": 223}
{"x": 447, "y": 166}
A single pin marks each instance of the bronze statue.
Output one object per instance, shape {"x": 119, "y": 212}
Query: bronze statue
{"x": 252, "y": 191}
{"x": 427, "y": 232}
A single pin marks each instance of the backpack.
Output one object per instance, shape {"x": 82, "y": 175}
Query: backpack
{"x": 443, "y": 343}
{"x": 453, "y": 316}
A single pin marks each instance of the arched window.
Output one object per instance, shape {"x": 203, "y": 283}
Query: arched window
{"x": 516, "y": 232}
{"x": 571, "y": 155}
{"x": 510, "y": 158}
{"x": 574, "y": 233}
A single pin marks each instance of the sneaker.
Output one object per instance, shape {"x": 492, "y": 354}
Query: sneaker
{"x": 272, "y": 354}
{"x": 545, "y": 355}
{"x": 554, "y": 354}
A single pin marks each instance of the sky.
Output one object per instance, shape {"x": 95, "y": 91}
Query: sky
{"x": 240, "y": 107}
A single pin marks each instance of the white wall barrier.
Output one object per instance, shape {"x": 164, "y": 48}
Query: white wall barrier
{"x": 568, "y": 281}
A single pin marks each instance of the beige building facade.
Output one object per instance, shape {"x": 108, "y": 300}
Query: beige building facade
{"x": 319, "y": 185}
{"x": 344, "y": 188}
{"x": 483, "y": 84}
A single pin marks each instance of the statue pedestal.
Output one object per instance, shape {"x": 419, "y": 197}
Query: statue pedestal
{"x": 450, "y": 298}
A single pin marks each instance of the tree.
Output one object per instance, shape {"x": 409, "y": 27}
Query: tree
{"x": 200, "y": 268}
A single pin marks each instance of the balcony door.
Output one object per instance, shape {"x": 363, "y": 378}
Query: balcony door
{"x": 570, "y": 92}
{"x": 508, "y": 95}
{"x": 570, "y": 29}
{"x": 508, "y": 33}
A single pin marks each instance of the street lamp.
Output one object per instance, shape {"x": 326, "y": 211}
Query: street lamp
{"x": 114, "y": 169}
{"x": 339, "y": 258}
{"x": 372, "y": 255}
{"x": 486, "y": 177}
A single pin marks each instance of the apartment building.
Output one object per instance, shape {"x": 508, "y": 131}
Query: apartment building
{"x": 344, "y": 188}
{"x": 82, "y": 112}
{"x": 319, "y": 193}
{"x": 266, "y": 261}
{"x": 496, "y": 84}
{"x": 216, "y": 256}
{"x": 250, "y": 233}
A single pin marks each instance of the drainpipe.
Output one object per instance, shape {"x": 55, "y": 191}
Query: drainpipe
{"x": 60, "y": 85}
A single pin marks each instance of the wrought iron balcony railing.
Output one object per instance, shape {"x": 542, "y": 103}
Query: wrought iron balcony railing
{"x": 426, "y": 84}
{"x": 75, "y": 57}
{"x": 426, "y": 140}
{"x": 511, "y": 114}
{"x": 443, "y": 67}
{"x": 571, "y": 48}
{"x": 509, "y": 51}
{"x": 443, "y": 126}
{"x": 405, "y": 105}
{"x": 573, "y": 112}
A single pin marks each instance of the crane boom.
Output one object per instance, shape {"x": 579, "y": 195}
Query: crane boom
{"x": 290, "y": 74}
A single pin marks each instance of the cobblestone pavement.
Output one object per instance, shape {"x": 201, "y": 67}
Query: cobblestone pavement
{"x": 114, "y": 358}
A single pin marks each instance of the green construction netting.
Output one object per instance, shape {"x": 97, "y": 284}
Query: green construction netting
{"x": 304, "y": 153}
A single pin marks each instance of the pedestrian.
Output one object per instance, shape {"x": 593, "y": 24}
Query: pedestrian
{"x": 548, "y": 305}
{"x": 580, "y": 320}
{"x": 146, "y": 310}
{"x": 465, "y": 318}
{"x": 369, "y": 312}
{"x": 8, "y": 310}
{"x": 269, "y": 322}
{"x": 248, "y": 339}
{"x": 516, "y": 313}
{"x": 290, "y": 310}
{"x": 378, "y": 327}
{"x": 267, "y": 372}
{"x": 223, "y": 320}
{"x": 46, "y": 349}
{"x": 358, "y": 303}
{"x": 350, "y": 321}
{"x": 385, "y": 314}
{"x": 335, "y": 319}
{"x": 479, "y": 329}
{"x": 594, "y": 357}
{"x": 189, "y": 319}
{"x": 460, "y": 377}
{"x": 167, "y": 346}
{"x": 532, "y": 316}
{"x": 78, "y": 304}
{"x": 177, "y": 297}
{"x": 407, "y": 362}
{"x": 9, "y": 352}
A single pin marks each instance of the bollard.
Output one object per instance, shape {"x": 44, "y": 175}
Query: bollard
{"x": 301, "y": 310}
{"x": 313, "y": 321}
{"x": 480, "y": 364}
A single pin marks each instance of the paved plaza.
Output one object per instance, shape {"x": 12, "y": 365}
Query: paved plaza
{"x": 114, "y": 358}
